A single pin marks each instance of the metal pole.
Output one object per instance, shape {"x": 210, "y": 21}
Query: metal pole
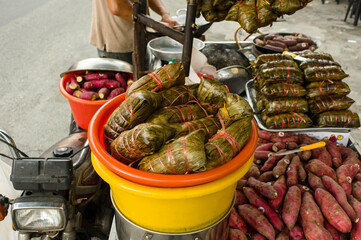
{"x": 188, "y": 35}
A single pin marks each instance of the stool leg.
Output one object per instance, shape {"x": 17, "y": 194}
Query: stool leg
{"x": 350, "y": 3}
{"x": 357, "y": 13}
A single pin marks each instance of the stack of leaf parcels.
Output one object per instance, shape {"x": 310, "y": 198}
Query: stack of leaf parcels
{"x": 302, "y": 94}
{"x": 179, "y": 129}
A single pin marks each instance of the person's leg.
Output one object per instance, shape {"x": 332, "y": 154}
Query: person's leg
{"x": 127, "y": 57}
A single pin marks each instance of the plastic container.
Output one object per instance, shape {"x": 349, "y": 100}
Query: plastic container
{"x": 172, "y": 210}
{"x": 83, "y": 110}
{"x": 95, "y": 136}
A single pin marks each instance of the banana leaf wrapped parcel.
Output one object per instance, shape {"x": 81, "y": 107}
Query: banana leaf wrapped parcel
{"x": 316, "y": 55}
{"x": 227, "y": 143}
{"x": 142, "y": 140}
{"x": 162, "y": 78}
{"x": 132, "y": 111}
{"x": 287, "y": 7}
{"x": 182, "y": 156}
{"x": 344, "y": 118}
{"x": 209, "y": 124}
{"x": 285, "y": 105}
{"x": 253, "y": 14}
{"x": 261, "y": 59}
{"x": 280, "y": 75}
{"x": 178, "y": 95}
{"x": 178, "y": 114}
{"x": 328, "y": 103}
{"x": 211, "y": 94}
{"x": 327, "y": 73}
{"x": 288, "y": 120}
{"x": 235, "y": 108}
{"x": 316, "y": 89}
{"x": 280, "y": 63}
{"x": 283, "y": 90}
{"x": 314, "y": 62}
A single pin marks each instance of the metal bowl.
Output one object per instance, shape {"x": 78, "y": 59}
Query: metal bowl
{"x": 167, "y": 49}
{"x": 100, "y": 64}
{"x": 235, "y": 77}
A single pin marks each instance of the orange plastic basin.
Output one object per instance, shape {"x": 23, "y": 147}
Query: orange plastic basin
{"x": 95, "y": 136}
{"x": 83, "y": 110}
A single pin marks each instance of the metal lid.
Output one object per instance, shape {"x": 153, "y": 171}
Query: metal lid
{"x": 103, "y": 64}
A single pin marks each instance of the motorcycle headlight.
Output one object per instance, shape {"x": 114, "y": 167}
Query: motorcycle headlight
{"x": 39, "y": 213}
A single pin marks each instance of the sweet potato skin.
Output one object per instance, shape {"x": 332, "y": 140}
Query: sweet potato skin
{"x": 356, "y": 190}
{"x": 281, "y": 167}
{"x": 333, "y": 212}
{"x": 336, "y": 156}
{"x": 309, "y": 211}
{"x": 291, "y": 206}
{"x": 292, "y": 171}
{"x": 315, "y": 181}
{"x": 236, "y": 222}
{"x": 334, "y": 233}
{"x": 263, "y": 188}
{"x": 257, "y": 220}
{"x": 339, "y": 194}
{"x": 257, "y": 236}
{"x": 236, "y": 234}
{"x": 261, "y": 203}
{"x": 318, "y": 168}
{"x": 296, "y": 233}
{"x": 281, "y": 188}
{"x": 284, "y": 235}
{"x": 323, "y": 155}
{"x": 240, "y": 198}
{"x": 356, "y": 229}
{"x": 316, "y": 232}
{"x": 345, "y": 174}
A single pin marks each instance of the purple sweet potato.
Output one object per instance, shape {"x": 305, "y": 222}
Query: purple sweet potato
{"x": 257, "y": 236}
{"x": 333, "y": 212}
{"x": 323, "y": 155}
{"x": 319, "y": 168}
{"x": 240, "y": 198}
{"x": 236, "y": 222}
{"x": 334, "y": 233}
{"x": 236, "y": 234}
{"x": 284, "y": 235}
{"x": 277, "y": 146}
{"x": 257, "y": 220}
{"x": 291, "y": 145}
{"x": 347, "y": 153}
{"x": 339, "y": 194}
{"x": 241, "y": 183}
{"x": 304, "y": 189}
{"x": 281, "y": 166}
{"x": 262, "y": 154}
{"x": 252, "y": 172}
{"x": 262, "y": 205}
{"x": 292, "y": 171}
{"x": 281, "y": 188}
{"x": 279, "y": 137}
{"x": 356, "y": 190}
{"x": 315, "y": 181}
{"x": 302, "y": 175}
{"x": 345, "y": 174}
{"x": 296, "y": 233}
{"x": 266, "y": 176}
{"x": 291, "y": 206}
{"x": 316, "y": 232}
{"x": 334, "y": 151}
{"x": 265, "y": 147}
{"x": 309, "y": 211}
{"x": 271, "y": 162}
{"x": 263, "y": 188}
{"x": 356, "y": 229}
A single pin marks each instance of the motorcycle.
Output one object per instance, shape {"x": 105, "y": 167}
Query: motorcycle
{"x": 61, "y": 197}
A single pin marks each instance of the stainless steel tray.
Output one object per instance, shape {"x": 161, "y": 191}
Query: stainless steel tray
{"x": 251, "y": 97}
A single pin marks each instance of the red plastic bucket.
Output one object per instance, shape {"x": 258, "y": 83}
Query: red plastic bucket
{"x": 83, "y": 110}
{"x": 95, "y": 136}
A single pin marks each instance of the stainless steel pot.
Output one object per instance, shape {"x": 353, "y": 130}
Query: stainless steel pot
{"x": 127, "y": 230}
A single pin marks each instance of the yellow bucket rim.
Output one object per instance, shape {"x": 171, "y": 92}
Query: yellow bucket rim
{"x": 116, "y": 181}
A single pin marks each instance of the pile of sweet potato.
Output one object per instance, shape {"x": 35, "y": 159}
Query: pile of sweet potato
{"x": 97, "y": 85}
{"x": 314, "y": 195}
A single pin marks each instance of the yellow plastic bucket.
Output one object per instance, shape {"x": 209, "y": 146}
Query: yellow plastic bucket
{"x": 172, "y": 210}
